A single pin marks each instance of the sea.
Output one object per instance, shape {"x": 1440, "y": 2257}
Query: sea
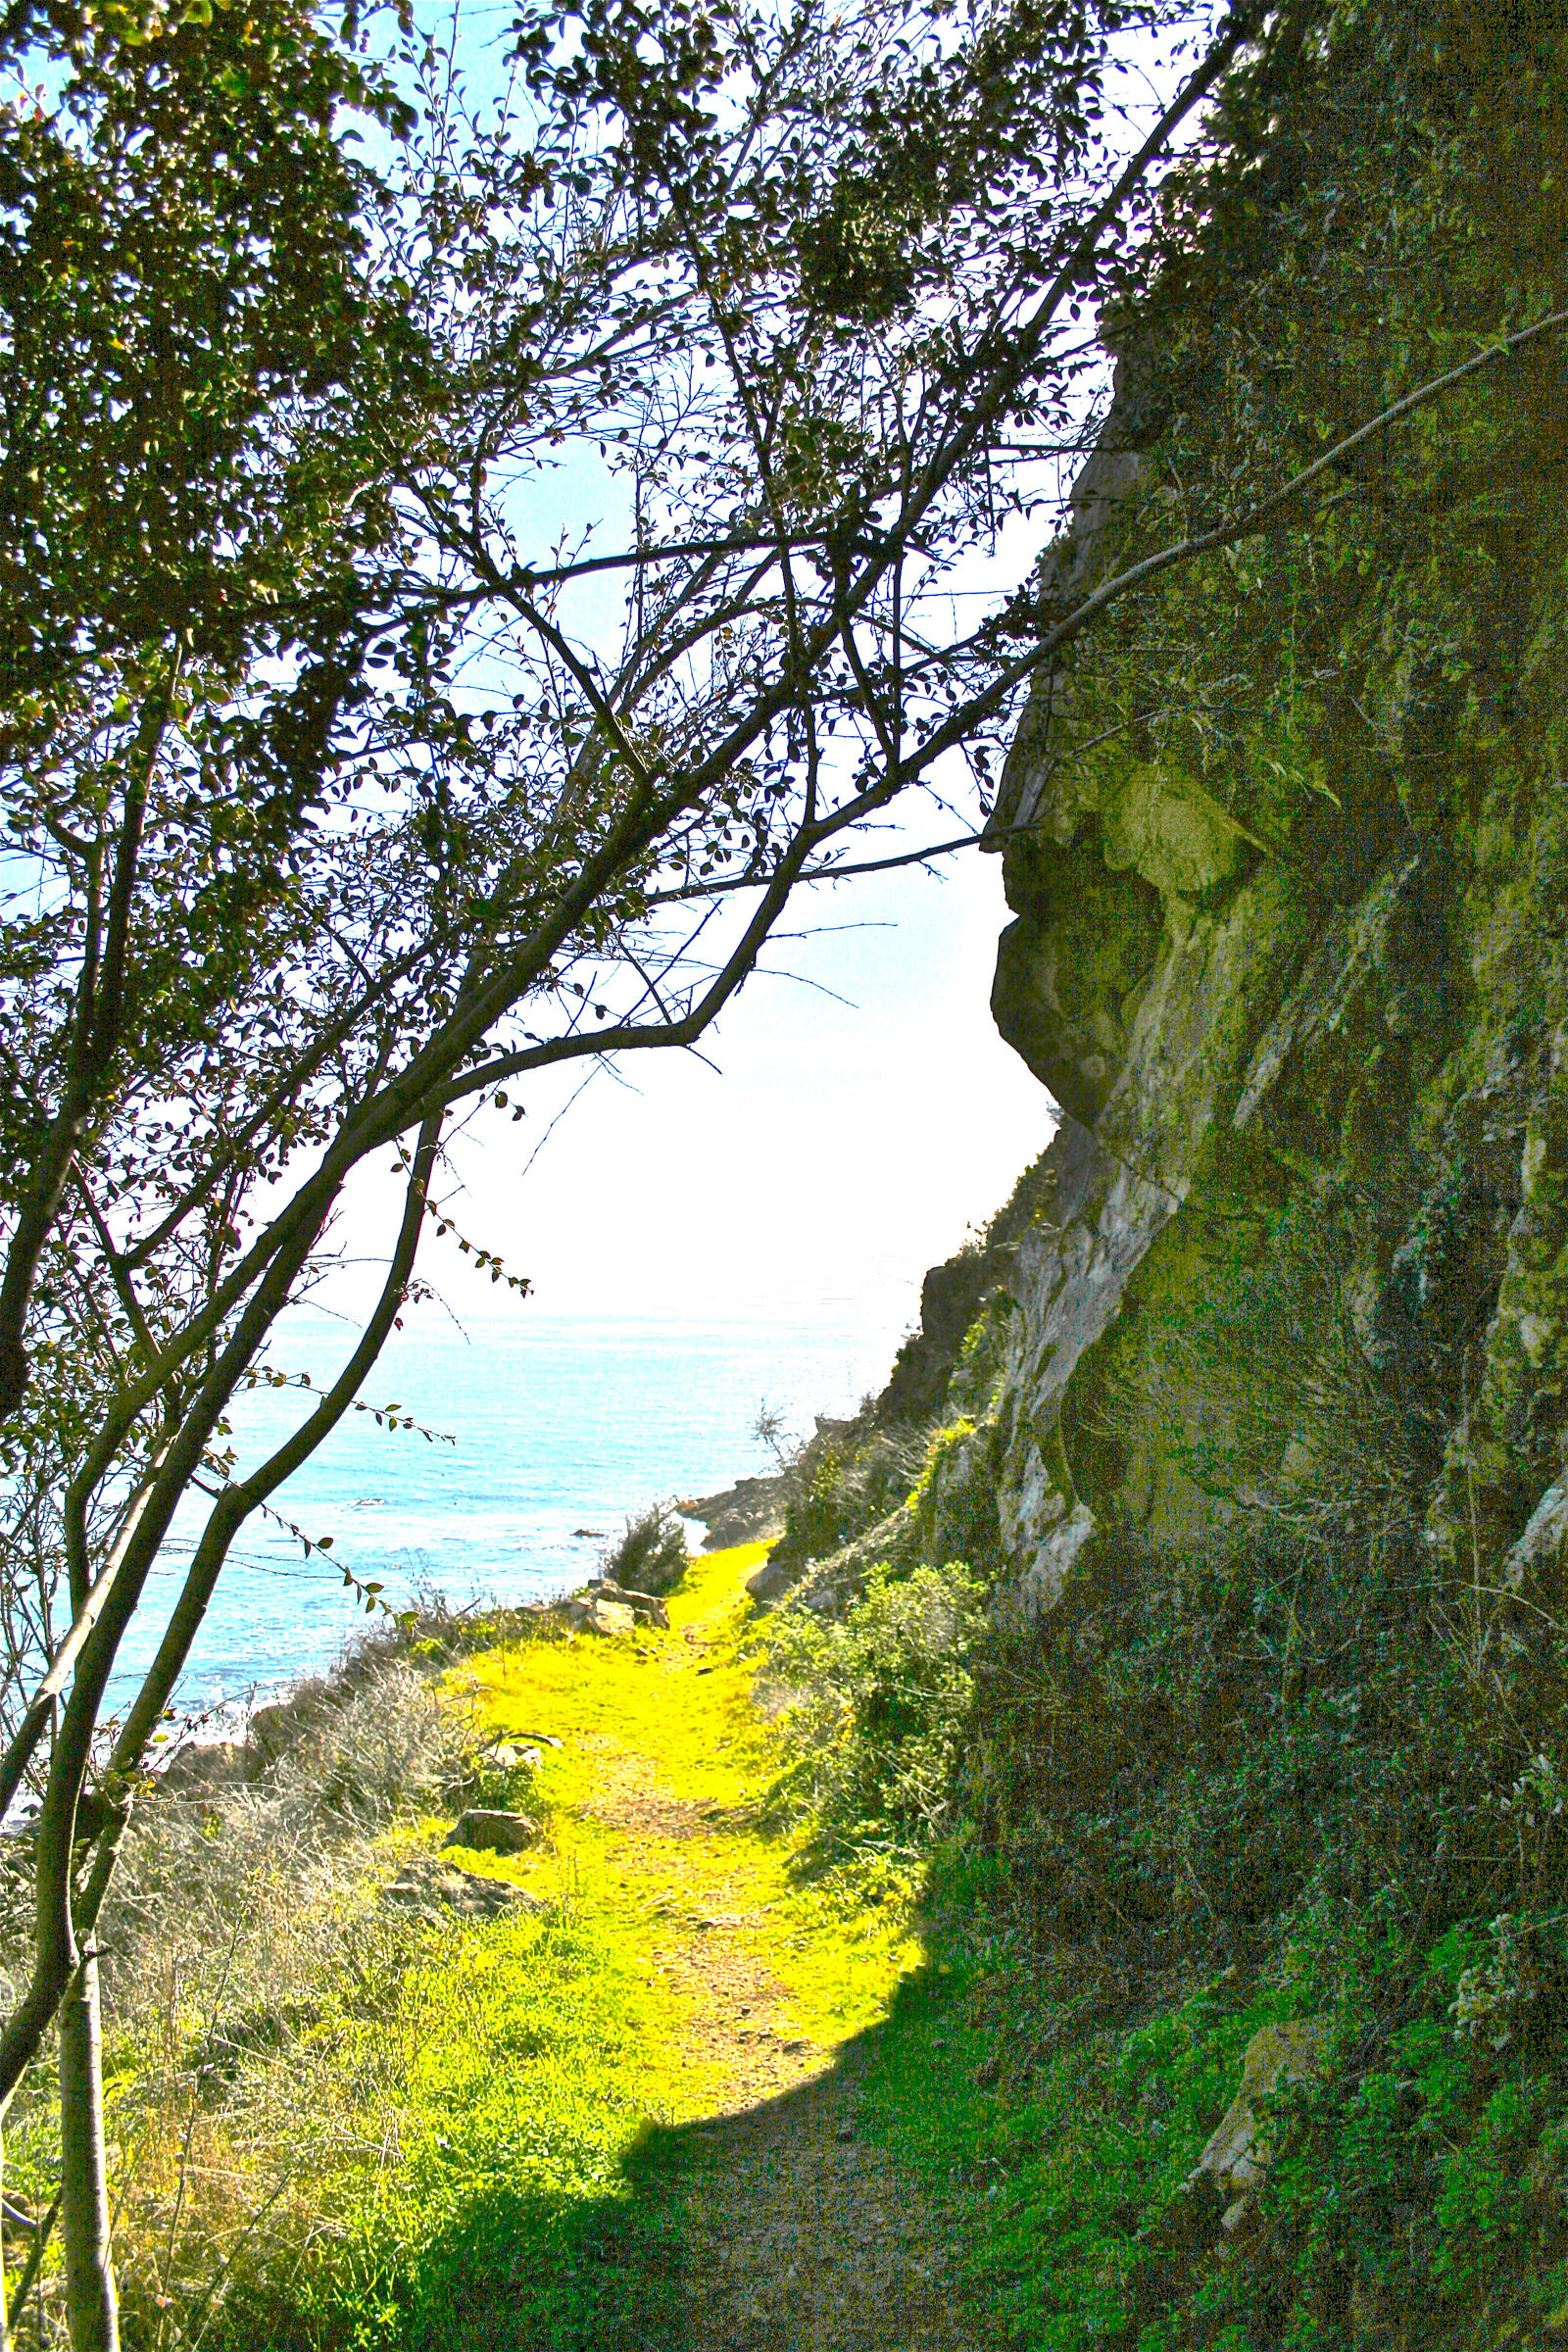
{"x": 522, "y": 1446}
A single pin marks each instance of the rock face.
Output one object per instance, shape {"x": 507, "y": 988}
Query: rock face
{"x": 1236, "y": 2157}
{"x": 1310, "y": 1046}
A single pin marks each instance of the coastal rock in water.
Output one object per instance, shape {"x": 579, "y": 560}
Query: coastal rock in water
{"x": 432, "y": 1886}
{"x": 749, "y": 1513}
{"x": 486, "y": 1832}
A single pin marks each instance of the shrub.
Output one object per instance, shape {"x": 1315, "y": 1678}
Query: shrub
{"x": 652, "y": 1554}
{"x": 846, "y": 1480}
{"x": 875, "y": 1706}
{"x": 1285, "y": 1776}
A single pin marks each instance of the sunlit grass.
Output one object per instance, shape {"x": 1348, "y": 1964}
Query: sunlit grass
{"x": 463, "y": 2134}
{"x": 682, "y": 1698}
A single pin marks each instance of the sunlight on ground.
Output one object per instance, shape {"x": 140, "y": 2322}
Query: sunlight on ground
{"x": 651, "y": 1833}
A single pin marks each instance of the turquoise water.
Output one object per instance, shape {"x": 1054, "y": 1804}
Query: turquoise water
{"x": 557, "y": 1425}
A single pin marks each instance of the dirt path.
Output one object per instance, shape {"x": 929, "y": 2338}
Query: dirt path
{"x": 800, "y": 2236}
{"x": 794, "y": 2231}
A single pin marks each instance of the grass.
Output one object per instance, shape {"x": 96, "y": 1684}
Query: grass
{"x": 338, "y": 2129}
{"x": 683, "y": 1698}
{"x": 1065, "y": 2161}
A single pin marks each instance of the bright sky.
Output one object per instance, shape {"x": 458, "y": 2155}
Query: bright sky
{"x": 863, "y": 1113}
{"x": 841, "y": 1144}
{"x": 827, "y": 1150}
{"x": 851, "y": 1117}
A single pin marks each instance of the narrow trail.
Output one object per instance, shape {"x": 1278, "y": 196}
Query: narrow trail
{"x": 798, "y": 2232}
{"x": 802, "y": 2237}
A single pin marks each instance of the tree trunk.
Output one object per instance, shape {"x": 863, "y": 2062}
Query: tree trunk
{"x": 90, "y": 2303}
{"x": 4, "y": 2331}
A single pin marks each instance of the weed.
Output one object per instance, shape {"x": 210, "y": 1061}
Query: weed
{"x": 874, "y": 1708}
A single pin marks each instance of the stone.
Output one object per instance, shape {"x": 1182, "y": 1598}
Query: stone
{"x": 609, "y": 1617}
{"x": 269, "y": 1731}
{"x": 1543, "y": 1542}
{"x": 432, "y": 1887}
{"x": 648, "y": 1607}
{"x": 592, "y": 1614}
{"x": 1237, "y": 2156}
{"x": 769, "y": 1581}
{"x": 505, "y": 1755}
{"x": 487, "y": 1833}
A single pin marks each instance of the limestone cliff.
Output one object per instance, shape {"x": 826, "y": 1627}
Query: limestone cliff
{"x": 1286, "y": 851}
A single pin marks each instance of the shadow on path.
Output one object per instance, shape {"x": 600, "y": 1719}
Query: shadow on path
{"x": 776, "y": 2228}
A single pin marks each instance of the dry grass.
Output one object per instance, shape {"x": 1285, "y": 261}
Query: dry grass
{"x": 243, "y": 1936}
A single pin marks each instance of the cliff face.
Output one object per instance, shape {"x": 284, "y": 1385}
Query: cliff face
{"x": 1258, "y": 1435}
{"x": 1287, "y": 846}
{"x": 1292, "y": 1114}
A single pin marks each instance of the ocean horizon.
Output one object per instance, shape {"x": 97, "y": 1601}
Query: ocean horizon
{"x": 548, "y": 1432}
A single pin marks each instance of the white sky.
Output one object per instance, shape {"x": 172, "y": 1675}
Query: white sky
{"x": 839, "y": 1149}
{"x": 843, "y": 1143}
{"x": 863, "y": 1115}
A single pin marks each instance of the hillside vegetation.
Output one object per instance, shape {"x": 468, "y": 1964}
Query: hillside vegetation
{"x": 1257, "y": 1443}
{"x": 1106, "y": 1886}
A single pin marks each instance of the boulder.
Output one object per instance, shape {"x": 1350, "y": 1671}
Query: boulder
{"x": 486, "y": 1832}
{"x": 1237, "y": 2155}
{"x": 431, "y": 1885}
{"x": 590, "y": 1613}
{"x": 268, "y": 1729}
{"x": 769, "y": 1581}
{"x": 646, "y": 1607}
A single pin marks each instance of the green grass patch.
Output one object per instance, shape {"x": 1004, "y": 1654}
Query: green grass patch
{"x": 675, "y": 1710}
{"x": 503, "y": 2097}
{"x": 465, "y": 2134}
{"x": 1061, "y": 2147}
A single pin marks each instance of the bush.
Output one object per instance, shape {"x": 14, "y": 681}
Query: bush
{"x": 1293, "y": 1779}
{"x": 1194, "y": 1745}
{"x": 875, "y": 1706}
{"x": 846, "y": 1480}
{"x": 650, "y": 1555}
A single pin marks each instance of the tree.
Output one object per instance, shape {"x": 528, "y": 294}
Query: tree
{"x": 191, "y": 348}
{"x": 369, "y": 814}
